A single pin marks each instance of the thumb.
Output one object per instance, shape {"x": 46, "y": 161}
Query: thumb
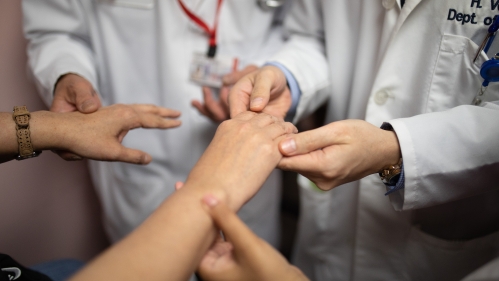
{"x": 86, "y": 100}
{"x": 260, "y": 95}
{"x": 307, "y": 141}
{"x": 241, "y": 237}
{"x": 129, "y": 155}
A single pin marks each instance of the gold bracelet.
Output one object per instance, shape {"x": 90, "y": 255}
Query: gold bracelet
{"x": 21, "y": 116}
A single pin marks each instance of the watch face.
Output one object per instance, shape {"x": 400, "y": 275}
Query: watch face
{"x": 270, "y": 4}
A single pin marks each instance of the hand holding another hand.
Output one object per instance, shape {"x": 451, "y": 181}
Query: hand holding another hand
{"x": 244, "y": 256}
{"x": 218, "y": 110}
{"x": 339, "y": 152}
{"x": 264, "y": 90}
{"x": 241, "y": 155}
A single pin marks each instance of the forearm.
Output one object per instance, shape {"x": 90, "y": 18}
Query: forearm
{"x": 167, "y": 246}
{"x": 44, "y": 134}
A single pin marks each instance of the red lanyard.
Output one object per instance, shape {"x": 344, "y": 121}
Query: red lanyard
{"x": 211, "y": 32}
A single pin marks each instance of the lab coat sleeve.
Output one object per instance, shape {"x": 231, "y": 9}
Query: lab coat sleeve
{"x": 304, "y": 55}
{"x": 58, "y": 43}
{"x": 448, "y": 155}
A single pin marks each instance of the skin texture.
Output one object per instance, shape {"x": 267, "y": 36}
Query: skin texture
{"x": 74, "y": 93}
{"x": 243, "y": 256}
{"x": 95, "y": 136}
{"x": 340, "y": 152}
{"x": 218, "y": 109}
{"x": 264, "y": 90}
{"x": 329, "y": 156}
{"x": 170, "y": 244}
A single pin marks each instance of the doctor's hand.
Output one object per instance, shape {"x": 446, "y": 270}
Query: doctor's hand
{"x": 264, "y": 90}
{"x": 340, "y": 152}
{"x": 241, "y": 156}
{"x": 98, "y": 135}
{"x": 74, "y": 93}
{"x": 244, "y": 256}
{"x": 218, "y": 110}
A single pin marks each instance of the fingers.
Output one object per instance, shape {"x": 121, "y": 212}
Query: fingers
{"x": 68, "y": 156}
{"x": 216, "y": 108}
{"x": 231, "y": 78}
{"x": 310, "y": 162}
{"x": 239, "y": 96}
{"x": 151, "y": 116}
{"x": 74, "y": 92}
{"x": 281, "y": 129}
{"x": 158, "y": 110}
{"x": 86, "y": 100}
{"x": 269, "y": 81}
{"x": 132, "y": 156}
{"x": 308, "y": 141}
{"x": 242, "y": 238}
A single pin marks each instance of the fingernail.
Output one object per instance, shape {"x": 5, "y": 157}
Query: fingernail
{"x": 210, "y": 200}
{"x": 288, "y": 146}
{"x": 146, "y": 159}
{"x": 86, "y": 105}
{"x": 256, "y": 102}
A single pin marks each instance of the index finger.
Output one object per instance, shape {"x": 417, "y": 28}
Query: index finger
{"x": 234, "y": 229}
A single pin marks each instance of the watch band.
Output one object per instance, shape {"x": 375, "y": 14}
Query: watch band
{"x": 390, "y": 175}
{"x": 21, "y": 116}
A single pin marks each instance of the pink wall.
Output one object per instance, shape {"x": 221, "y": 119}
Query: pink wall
{"x": 48, "y": 208}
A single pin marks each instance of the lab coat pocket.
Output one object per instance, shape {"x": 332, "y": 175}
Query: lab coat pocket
{"x": 137, "y": 4}
{"x": 456, "y": 79}
{"x": 431, "y": 258}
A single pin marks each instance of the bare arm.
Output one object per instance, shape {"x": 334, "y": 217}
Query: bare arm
{"x": 95, "y": 136}
{"x": 171, "y": 242}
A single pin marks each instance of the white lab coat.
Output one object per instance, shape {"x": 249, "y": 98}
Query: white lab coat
{"x": 139, "y": 51}
{"x": 413, "y": 68}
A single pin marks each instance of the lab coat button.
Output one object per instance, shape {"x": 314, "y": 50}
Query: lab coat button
{"x": 388, "y": 4}
{"x": 381, "y": 97}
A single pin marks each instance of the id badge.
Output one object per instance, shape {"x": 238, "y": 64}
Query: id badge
{"x": 209, "y": 72}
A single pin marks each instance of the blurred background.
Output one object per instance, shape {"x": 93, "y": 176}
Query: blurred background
{"x": 48, "y": 208}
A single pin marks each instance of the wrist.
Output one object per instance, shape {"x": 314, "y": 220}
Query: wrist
{"x": 391, "y": 153}
{"x": 45, "y": 130}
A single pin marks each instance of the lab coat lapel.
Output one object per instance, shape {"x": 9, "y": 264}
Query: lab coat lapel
{"x": 409, "y": 6}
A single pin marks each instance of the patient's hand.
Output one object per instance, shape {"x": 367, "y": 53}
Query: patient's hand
{"x": 244, "y": 256}
{"x": 98, "y": 135}
{"x": 241, "y": 156}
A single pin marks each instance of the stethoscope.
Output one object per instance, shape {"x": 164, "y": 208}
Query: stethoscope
{"x": 490, "y": 69}
{"x": 270, "y": 4}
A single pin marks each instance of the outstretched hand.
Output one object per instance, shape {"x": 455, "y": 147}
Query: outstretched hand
{"x": 339, "y": 152}
{"x": 244, "y": 256}
{"x": 218, "y": 109}
{"x": 98, "y": 135}
{"x": 264, "y": 90}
